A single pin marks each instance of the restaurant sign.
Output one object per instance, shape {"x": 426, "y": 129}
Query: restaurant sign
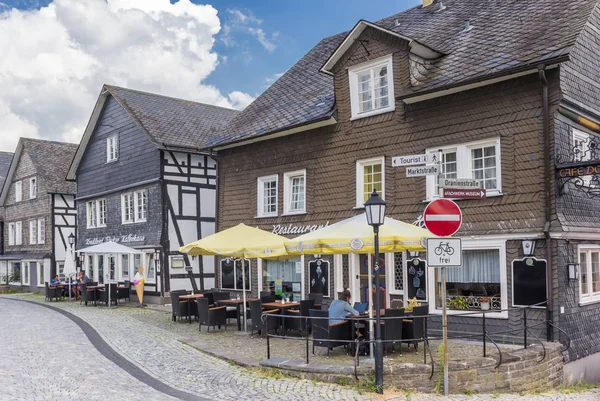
{"x": 569, "y": 172}
{"x": 282, "y": 229}
{"x": 115, "y": 238}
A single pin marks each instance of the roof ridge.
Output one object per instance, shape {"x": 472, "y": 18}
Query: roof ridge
{"x": 168, "y": 97}
{"x": 47, "y": 141}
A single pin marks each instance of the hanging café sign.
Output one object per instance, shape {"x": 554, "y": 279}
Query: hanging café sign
{"x": 282, "y": 229}
{"x": 117, "y": 238}
{"x": 569, "y": 172}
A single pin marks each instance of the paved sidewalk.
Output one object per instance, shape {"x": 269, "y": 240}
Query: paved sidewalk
{"x": 149, "y": 340}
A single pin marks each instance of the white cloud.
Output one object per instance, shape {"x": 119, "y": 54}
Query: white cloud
{"x": 268, "y": 44}
{"x": 245, "y": 22}
{"x": 240, "y": 100}
{"x": 55, "y": 59}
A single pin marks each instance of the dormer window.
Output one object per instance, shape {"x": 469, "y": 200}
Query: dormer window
{"x": 372, "y": 88}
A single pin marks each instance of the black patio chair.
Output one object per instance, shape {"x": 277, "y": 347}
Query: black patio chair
{"x": 104, "y": 294}
{"x": 211, "y": 298}
{"x": 318, "y": 297}
{"x": 392, "y": 329}
{"x": 267, "y": 298}
{"x": 328, "y": 335}
{"x": 179, "y": 308}
{"x": 265, "y": 294}
{"x": 305, "y": 306}
{"x": 52, "y": 292}
{"x": 90, "y": 283}
{"x": 125, "y": 293}
{"x": 215, "y": 316}
{"x": 413, "y": 329}
{"x": 85, "y": 296}
{"x": 222, "y": 296}
{"x": 256, "y": 316}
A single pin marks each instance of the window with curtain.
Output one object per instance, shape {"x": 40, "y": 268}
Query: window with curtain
{"x": 475, "y": 282}
{"x": 283, "y": 276}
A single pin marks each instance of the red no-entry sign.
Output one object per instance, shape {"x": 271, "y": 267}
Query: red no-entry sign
{"x": 442, "y": 217}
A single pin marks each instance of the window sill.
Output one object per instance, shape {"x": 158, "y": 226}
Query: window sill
{"x": 293, "y": 213}
{"x": 488, "y": 315}
{"x": 270, "y": 216}
{"x": 589, "y": 301}
{"x": 372, "y": 113}
{"x": 112, "y": 161}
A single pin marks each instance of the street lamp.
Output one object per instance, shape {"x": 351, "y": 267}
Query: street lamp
{"x": 375, "y": 210}
{"x": 71, "y": 238}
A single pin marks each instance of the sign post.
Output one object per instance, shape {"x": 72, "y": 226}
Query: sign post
{"x": 443, "y": 217}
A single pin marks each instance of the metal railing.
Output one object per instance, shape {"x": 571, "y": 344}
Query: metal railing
{"x": 526, "y": 329}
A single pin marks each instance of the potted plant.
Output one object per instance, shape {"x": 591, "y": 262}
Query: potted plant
{"x": 412, "y": 303}
{"x": 460, "y": 303}
{"x": 484, "y": 303}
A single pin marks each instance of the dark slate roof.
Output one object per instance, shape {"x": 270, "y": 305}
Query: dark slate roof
{"x": 302, "y": 95}
{"x": 52, "y": 160}
{"x": 506, "y": 35}
{"x": 5, "y": 160}
{"x": 173, "y": 122}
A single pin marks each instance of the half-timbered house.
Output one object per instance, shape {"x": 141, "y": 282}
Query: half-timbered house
{"x": 501, "y": 89}
{"x": 143, "y": 182}
{"x": 39, "y": 212}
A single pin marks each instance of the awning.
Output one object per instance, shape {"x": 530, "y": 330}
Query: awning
{"x": 109, "y": 247}
{"x": 27, "y": 256}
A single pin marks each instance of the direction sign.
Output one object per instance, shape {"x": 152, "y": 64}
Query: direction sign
{"x": 444, "y": 252}
{"x": 461, "y": 183}
{"x": 442, "y": 217}
{"x": 464, "y": 193}
{"x": 422, "y": 170}
{"x": 415, "y": 159}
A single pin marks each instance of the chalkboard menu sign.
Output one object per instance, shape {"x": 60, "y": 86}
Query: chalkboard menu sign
{"x": 529, "y": 282}
{"x": 416, "y": 270}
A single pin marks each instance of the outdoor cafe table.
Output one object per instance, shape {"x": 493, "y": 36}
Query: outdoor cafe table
{"x": 238, "y": 304}
{"x": 363, "y": 317}
{"x": 189, "y": 301}
{"x": 281, "y": 307}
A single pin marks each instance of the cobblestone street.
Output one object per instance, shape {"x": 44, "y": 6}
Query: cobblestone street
{"x": 69, "y": 367}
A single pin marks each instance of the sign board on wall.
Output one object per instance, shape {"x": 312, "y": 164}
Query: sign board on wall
{"x": 464, "y": 193}
{"x": 416, "y": 279}
{"x": 444, "y": 252}
{"x": 529, "y": 282}
{"x": 414, "y": 159}
{"x": 116, "y": 238}
{"x": 460, "y": 183}
{"x": 421, "y": 171}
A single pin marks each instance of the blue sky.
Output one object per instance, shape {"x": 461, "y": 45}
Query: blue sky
{"x": 225, "y": 53}
{"x": 299, "y": 24}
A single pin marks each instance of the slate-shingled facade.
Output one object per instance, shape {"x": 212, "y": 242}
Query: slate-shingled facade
{"x": 143, "y": 182}
{"x": 37, "y": 218}
{"x": 480, "y": 95}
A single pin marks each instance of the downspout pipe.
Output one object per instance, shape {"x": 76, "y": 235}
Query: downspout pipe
{"x": 548, "y": 201}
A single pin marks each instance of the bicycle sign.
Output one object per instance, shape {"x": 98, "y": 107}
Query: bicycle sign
{"x": 444, "y": 252}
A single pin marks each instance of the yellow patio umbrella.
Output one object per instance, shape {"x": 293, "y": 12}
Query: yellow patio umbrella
{"x": 242, "y": 242}
{"x": 354, "y": 235}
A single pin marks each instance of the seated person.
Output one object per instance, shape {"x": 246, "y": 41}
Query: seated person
{"x": 83, "y": 278}
{"x": 55, "y": 280}
{"x": 340, "y": 308}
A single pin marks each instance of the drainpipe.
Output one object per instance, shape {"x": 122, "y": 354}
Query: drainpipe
{"x": 548, "y": 204}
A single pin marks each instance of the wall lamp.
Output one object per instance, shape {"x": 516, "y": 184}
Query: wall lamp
{"x": 414, "y": 254}
{"x": 573, "y": 271}
{"x": 528, "y": 247}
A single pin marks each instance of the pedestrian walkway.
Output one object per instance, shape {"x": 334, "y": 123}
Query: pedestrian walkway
{"x": 151, "y": 342}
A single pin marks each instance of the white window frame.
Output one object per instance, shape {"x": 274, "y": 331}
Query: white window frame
{"x": 353, "y": 80}
{"x": 41, "y": 231}
{"x": 473, "y": 245}
{"x": 151, "y": 265}
{"x": 360, "y": 178}
{"x": 41, "y": 274}
{"x": 287, "y": 192}
{"x": 127, "y": 201}
{"x": 143, "y": 195}
{"x": 60, "y": 270}
{"x": 94, "y": 214}
{"x": 33, "y": 188}
{"x": 18, "y": 233}
{"x": 11, "y": 234}
{"x": 33, "y": 232}
{"x": 464, "y": 165}
{"x": 27, "y": 268}
{"x": 112, "y": 148}
{"x": 18, "y": 191}
{"x": 590, "y": 297}
{"x": 391, "y": 273}
{"x": 260, "y": 195}
{"x": 124, "y": 272}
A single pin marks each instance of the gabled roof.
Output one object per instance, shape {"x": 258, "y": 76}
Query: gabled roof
{"x": 51, "y": 160}
{"x": 507, "y": 36}
{"x": 5, "y": 160}
{"x": 168, "y": 122}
